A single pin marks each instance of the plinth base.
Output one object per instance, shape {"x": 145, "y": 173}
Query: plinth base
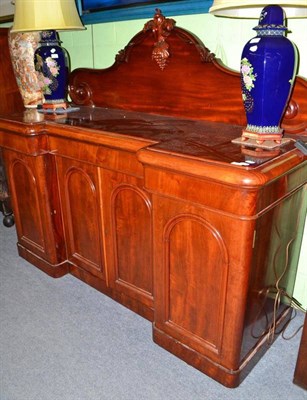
{"x": 261, "y": 140}
{"x": 54, "y": 106}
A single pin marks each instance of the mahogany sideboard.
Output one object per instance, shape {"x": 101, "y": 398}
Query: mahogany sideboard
{"x": 141, "y": 194}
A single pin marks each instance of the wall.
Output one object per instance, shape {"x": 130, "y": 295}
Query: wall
{"x": 98, "y": 45}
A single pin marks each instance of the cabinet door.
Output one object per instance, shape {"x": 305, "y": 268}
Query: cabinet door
{"x": 36, "y": 206}
{"x": 79, "y": 185}
{"x": 127, "y": 216}
{"x": 192, "y": 265}
{"x": 202, "y": 261}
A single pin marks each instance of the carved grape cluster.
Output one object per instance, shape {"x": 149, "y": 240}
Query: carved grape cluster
{"x": 160, "y": 54}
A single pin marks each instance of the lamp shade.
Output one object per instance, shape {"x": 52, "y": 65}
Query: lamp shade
{"x": 252, "y": 9}
{"x": 42, "y": 15}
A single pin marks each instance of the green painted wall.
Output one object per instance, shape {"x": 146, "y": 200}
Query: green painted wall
{"x": 98, "y": 45}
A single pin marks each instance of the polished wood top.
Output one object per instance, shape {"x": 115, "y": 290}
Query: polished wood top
{"x": 201, "y": 141}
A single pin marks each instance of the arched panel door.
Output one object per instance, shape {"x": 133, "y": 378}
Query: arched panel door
{"x": 192, "y": 286}
{"x": 131, "y": 218}
{"x": 27, "y": 204}
{"x": 33, "y": 212}
{"x": 128, "y": 222}
{"x": 80, "y": 194}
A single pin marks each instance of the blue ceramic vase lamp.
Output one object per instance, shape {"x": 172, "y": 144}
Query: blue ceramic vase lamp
{"x": 268, "y": 67}
{"x": 268, "y": 70}
{"x": 52, "y": 63}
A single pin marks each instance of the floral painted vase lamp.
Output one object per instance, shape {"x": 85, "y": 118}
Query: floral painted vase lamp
{"x": 268, "y": 68}
{"x": 22, "y": 46}
{"x": 50, "y": 59}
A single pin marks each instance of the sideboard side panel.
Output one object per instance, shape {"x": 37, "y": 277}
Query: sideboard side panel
{"x": 36, "y": 209}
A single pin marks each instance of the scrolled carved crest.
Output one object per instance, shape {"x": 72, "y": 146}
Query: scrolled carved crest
{"x": 81, "y": 93}
{"x": 292, "y": 109}
{"x": 161, "y": 28}
{"x": 206, "y": 54}
{"x": 121, "y": 56}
